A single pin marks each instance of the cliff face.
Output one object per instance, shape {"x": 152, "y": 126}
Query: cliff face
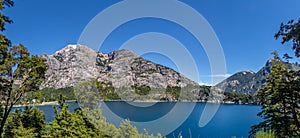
{"x": 70, "y": 65}
{"x": 76, "y": 63}
{"x": 123, "y": 67}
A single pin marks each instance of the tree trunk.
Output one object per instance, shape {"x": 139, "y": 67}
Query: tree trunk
{"x": 5, "y": 116}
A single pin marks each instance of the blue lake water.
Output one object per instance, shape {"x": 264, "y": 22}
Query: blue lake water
{"x": 230, "y": 119}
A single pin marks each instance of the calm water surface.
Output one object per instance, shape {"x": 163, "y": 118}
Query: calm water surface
{"x": 230, "y": 120}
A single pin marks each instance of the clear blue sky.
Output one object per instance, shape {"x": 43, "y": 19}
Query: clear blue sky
{"x": 245, "y": 28}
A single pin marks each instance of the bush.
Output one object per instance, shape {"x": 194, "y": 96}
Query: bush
{"x": 265, "y": 134}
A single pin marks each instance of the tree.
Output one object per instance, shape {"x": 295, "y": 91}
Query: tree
{"x": 68, "y": 124}
{"x": 141, "y": 89}
{"x": 34, "y": 118}
{"x": 22, "y": 132}
{"x": 13, "y": 122}
{"x": 108, "y": 91}
{"x": 174, "y": 91}
{"x": 30, "y": 122}
{"x": 288, "y": 32}
{"x": 19, "y": 72}
{"x": 280, "y": 102}
{"x": 83, "y": 122}
{"x": 280, "y": 97}
{"x": 287, "y": 57}
{"x": 127, "y": 130}
{"x": 88, "y": 93}
{"x": 95, "y": 117}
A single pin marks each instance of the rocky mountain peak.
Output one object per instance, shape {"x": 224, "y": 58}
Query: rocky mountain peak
{"x": 123, "y": 52}
{"x": 70, "y": 65}
{"x": 120, "y": 69}
{"x": 246, "y": 72}
{"x": 270, "y": 61}
{"x": 249, "y": 82}
{"x": 76, "y": 63}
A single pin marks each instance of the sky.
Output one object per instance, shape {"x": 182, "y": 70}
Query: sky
{"x": 245, "y": 29}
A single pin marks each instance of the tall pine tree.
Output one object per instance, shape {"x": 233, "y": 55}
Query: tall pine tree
{"x": 280, "y": 102}
{"x": 19, "y": 71}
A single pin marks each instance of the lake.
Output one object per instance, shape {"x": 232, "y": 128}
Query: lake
{"x": 230, "y": 119}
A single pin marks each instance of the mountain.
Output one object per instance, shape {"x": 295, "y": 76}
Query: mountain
{"x": 248, "y": 82}
{"x": 70, "y": 65}
{"x": 76, "y": 63}
{"x": 122, "y": 68}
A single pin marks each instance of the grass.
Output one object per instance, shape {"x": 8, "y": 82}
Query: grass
{"x": 265, "y": 134}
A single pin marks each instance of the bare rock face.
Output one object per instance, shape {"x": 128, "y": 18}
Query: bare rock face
{"x": 126, "y": 68}
{"x": 70, "y": 65}
{"x": 76, "y": 63}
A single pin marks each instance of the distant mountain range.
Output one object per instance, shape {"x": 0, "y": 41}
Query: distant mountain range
{"x": 122, "y": 68}
{"x": 248, "y": 82}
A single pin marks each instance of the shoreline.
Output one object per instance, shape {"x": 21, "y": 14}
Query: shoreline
{"x": 138, "y": 101}
{"x": 37, "y": 104}
{"x": 42, "y": 104}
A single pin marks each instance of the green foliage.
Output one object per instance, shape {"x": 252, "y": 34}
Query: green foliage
{"x": 107, "y": 90}
{"x": 20, "y": 72}
{"x": 189, "y": 92}
{"x": 280, "y": 102}
{"x": 128, "y": 131}
{"x": 51, "y": 94}
{"x": 34, "y": 118}
{"x": 174, "y": 91}
{"x": 151, "y": 71}
{"x": 96, "y": 118}
{"x": 89, "y": 122}
{"x": 100, "y": 60}
{"x": 141, "y": 90}
{"x": 84, "y": 122}
{"x": 93, "y": 90}
{"x": 88, "y": 93}
{"x": 265, "y": 134}
{"x": 59, "y": 57}
{"x": 67, "y": 124}
{"x": 290, "y": 32}
{"x": 23, "y": 123}
{"x": 4, "y": 19}
{"x": 13, "y": 122}
{"x": 193, "y": 93}
{"x": 38, "y": 97}
{"x": 21, "y": 132}
{"x": 239, "y": 97}
{"x": 204, "y": 93}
